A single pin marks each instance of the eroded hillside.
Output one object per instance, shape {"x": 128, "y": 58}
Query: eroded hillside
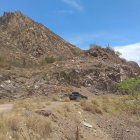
{"x": 35, "y": 61}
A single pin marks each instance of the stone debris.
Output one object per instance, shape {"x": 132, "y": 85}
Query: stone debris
{"x": 87, "y": 124}
{"x": 45, "y": 113}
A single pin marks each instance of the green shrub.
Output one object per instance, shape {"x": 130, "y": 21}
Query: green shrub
{"x": 49, "y": 60}
{"x": 130, "y": 87}
{"x": 94, "y": 46}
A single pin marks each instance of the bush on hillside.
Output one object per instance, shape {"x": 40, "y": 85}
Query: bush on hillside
{"x": 130, "y": 86}
{"x": 94, "y": 46}
{"x": 49, "y": 60}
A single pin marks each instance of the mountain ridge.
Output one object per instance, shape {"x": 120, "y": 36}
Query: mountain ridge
{"x": 36, "y": 61}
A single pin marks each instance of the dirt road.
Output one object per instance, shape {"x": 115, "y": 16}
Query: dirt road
{"x": 5, "y": 107}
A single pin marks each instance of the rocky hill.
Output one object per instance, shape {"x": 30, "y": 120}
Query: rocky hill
{"x": 25, "y": 46}
{"x": 28, "y": 42}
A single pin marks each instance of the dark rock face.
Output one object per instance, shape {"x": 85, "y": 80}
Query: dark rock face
{"x": 98, "y": 75}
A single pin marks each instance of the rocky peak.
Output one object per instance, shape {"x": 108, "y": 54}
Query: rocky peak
{"x": 10, "y": 14}
{"x": 9, "y": 17}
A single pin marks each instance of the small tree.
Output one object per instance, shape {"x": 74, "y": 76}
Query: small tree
{"x": 118, "y": 53}
{"x": 94, "y": 46}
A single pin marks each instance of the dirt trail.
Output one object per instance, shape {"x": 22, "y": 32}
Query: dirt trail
{"x": 5, "y": 107}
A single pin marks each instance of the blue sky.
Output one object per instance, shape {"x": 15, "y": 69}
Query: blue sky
{"x": 83, "y": 22}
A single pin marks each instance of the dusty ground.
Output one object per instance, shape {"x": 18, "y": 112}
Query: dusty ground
{"x": 69, "y": 120}
{"x": 5, "y": 107}
{"x": 120, "y": 127}
{"x": 67, "y": 117}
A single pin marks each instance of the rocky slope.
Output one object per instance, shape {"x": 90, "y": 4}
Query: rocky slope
{"x": 27, "y": 42}
{"x": 24, "y": 46}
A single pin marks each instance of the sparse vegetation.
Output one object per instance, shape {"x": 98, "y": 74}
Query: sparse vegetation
{"x": 23, "y": 124}
{"x": 27, "y": 105}
{"x": 105, "y": 108}
{"x": 91, "y": 106}
{"x": 130, "y": 87}
{"x": 66, "y": 100}
{"x": 39, "y": 70}
{"x": 95, "y": 102}
{"x": 55, "y": 98}
{"x": 19, "y": 105}
{"x": 67, "y": 107}
{"x": 21, "y": 127}
{"x": 94, "y": 46}
{"x": 131, "y": 102}
{"x": 49, "y": 60}
{"x": 105, "y": 99}
{"x": 39, "y": 125}
{"x": 127, "y": 106}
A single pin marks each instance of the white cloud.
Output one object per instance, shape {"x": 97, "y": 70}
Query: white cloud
{"x": 74, "y": 3}
{"x": 130, "y": 52}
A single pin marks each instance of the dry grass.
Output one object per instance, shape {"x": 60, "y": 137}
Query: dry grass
{"x": 28, "y": 105}
{"x": 82, "y": 102}
{"x": 127, "y": 106}
{"x": 55, "y": 98}
{"x": 9, "y": 125}
{"x": 105, "y": 99}
{"x": 39, "y": 124}
{"x": 19, "y": 105}
{"x": 14, "y": 122}
{"x": 48, "y": 103}
{"x": 112, "y": 104}
{"x": 105, "y": 108}
{"x": 95, "y": 102}
{"x": 66, "y": 100}
{"x": 91, "y": 106}
{"x": 20, "y": 127}
{"x": 67, "y": 107}
{"x": 23, "y": 124}
{"x": 99, "y": 105}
